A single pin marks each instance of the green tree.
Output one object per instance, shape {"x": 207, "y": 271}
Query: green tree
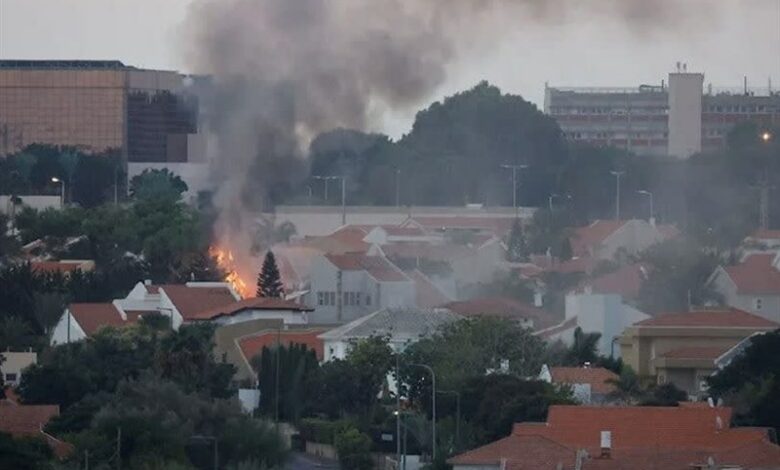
{"x": 24, "y": 453}
{"x": 751, "y": 382}
{"x": 354, "y": 449}
{"x": 269, "y": 281}
{"x": 664, "y": 395}
{"x": 295, "y": 366}
{"x": 157, "y": 185}
{"x": 584, "y": 348}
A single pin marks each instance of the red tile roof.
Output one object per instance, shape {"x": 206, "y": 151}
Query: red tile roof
{"x": 501, "y": 307}
{"x": 597, "y": 377}
{"x": 642, "y": 438}
{"x": 500, "y": 226}
{"x": 626, "y": 281}
{"x": 252, "y": 303}
{"x": 59, "y": 266}
{"x": 253, "y": 345}
{"x": 26, "y": 420}
{"x": 764, "y": 234}
{"x": 92, "y": 317}
{"x": 755, "y": 275}
{"x": 392, "y": 230}
{"x": 192, "y": 301}
{"x": 729, "y": 318}
{"x": 428, "y": 295}
{"x": 378, "y": 267}
{"x": 590, "y": 237}
{"x": 708, "y": 353}
{"x": 152, "y": 289}
{"x": 531, "y": 453}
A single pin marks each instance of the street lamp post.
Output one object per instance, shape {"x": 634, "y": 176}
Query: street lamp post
{"x": 62, "y": 189}
{"x": 766, "y": 137}
{"x": 617, "y": 175}
{"x": 514, "y": 169}
{"x": 650, "y": 195}
{"x": 343, "y": 193}
{"x": 433, "y": 405}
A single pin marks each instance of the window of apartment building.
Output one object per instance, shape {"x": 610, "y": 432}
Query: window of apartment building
{"x": 10, "y": 378}
{"x": 368, "y": 299}
{"x": 332, "y": 298}
{"x": 758, "y": 303}
{"x": 357, "y": 298}
{"x": 320, "y": 298}
{"x": 326, "y": 298}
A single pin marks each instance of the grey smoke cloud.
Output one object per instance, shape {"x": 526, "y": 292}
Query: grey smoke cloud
{"x": 286, "y": 70}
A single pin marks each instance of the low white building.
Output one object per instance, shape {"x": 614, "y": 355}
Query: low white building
{"x": 13, "y": 364}
{"x": 605, "y": 314}
{"x": 349, "y": 286}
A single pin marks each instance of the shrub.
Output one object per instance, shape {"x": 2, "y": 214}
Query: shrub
{"x": 354, "y": 449}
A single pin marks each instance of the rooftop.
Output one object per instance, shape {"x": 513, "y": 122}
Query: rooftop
{"x": 625, "y": 281}
{"x": 707, "y": 353}
{"x": 63, "y": 64}
{"x": 252, "y": 303}
{"x": 253, "y": 345}
{"x": 501, "y": 307}
{"x": 427, "y": 294}
{"x": 597, "y": 377}
{"x": 92, "y": 317}
{"x": 400, "y": 323}
{"x": 755, "y": 274}
{"x": 193, "y": 301}
{"x": 727, "y": 318}
{"x": 26, "y": 420}
{"x": 377, "y": 266}
{"x": 593, "y": 235}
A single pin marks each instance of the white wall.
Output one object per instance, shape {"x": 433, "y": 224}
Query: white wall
{"x": 60, "y": 333}
{"x": 35, "y": 202}
{"x": 397, "y": 294}
{"x": 14, "y": 363}
{"x": 685, "y": 92}
{"x": 605, "y": 314}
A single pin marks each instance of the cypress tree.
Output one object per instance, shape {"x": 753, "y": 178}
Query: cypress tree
{"x": 269, "y": 282}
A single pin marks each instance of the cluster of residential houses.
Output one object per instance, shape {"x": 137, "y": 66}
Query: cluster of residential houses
{"x": 406, "y": 281}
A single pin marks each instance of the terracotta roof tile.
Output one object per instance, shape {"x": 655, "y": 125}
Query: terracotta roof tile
{"x": 589, "y": 237}
{"x": 152, "y": 289}
{"x": 92, "y": 317}
{"x": 191, "y": 301}
{"x": 730, "y": 318}
{"x": 26, "y": 420}
{"x": 710, "y": 353}
{"x": 755, "y": 275}
{"x": 252, "y": 303}
{"x": 764, "y": 234}
{"x": 429, "y": 251}
{"x": 597, "y": 377}
{"x": 60, "y": 266}
{"x": 524, "y": 453}
{"x": 253, "y": 345}
{"x": 568, "y": 324}
{"x": 378, "y": 267}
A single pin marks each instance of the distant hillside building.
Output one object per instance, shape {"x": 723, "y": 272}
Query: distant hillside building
{"x": 679, "y": 119}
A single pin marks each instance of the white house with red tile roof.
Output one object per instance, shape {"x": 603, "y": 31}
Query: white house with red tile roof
{"x": 590, "y": 385}
{"x": 181, "y": 303}
{"x": 752, "y": 285}
{"x": 618, "y": 438}
{"x": 625, "y": 281}
{"x": 349, "y": 286}
{"x": 602, "y": 239}
{"x": 526, "y": 315}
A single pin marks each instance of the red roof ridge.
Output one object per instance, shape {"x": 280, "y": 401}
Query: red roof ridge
{"x": 727, "y": 317}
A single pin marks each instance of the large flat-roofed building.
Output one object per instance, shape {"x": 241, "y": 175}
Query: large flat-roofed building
{"x": 147, "y": 115}
{"x": 676, "y": 118}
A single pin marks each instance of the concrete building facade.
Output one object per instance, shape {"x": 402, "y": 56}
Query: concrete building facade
{"x": 676, "y": 118}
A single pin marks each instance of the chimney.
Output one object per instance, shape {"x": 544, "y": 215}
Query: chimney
{"x": 586, "y": 365}
{"x": 606, "y": 444}
{"x": 147, "y": 282}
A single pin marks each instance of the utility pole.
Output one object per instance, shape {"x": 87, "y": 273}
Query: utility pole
{"x": 398, "y": 408}
{"x": 617, "y": 175}
{"x": 766, "y": 137}
{"x": 397, "y": 187}
{"x": 343, "y": 193}
{"x": 276, "y": 380}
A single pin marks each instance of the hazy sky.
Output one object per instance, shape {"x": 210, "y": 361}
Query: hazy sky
{"x": 730, "y": 39}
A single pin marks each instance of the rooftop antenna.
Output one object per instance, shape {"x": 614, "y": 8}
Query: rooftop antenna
{"x": 685, "y": 67}
{"x": 678, "y": 66}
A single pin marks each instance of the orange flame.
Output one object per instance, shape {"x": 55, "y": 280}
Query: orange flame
{"x": 226, "y": 262}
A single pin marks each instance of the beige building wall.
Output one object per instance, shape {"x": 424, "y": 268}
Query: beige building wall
{"x": 62, "y": 107}
{"x": 226, "y": 343}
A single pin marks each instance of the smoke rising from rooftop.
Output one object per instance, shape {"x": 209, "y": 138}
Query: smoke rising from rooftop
{"x": 286, "y": 70}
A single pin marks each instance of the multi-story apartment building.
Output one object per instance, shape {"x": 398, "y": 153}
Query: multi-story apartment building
{"x": 675, "y": 118}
